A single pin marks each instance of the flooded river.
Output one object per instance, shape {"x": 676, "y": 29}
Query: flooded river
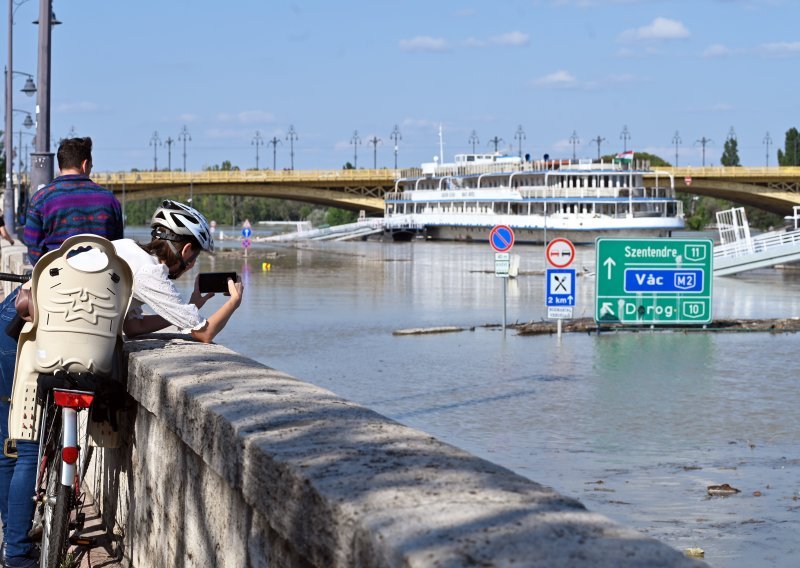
{"x": 635, "y": 425}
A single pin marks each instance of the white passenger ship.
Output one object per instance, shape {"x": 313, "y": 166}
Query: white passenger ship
{"x": 540, "y": 200}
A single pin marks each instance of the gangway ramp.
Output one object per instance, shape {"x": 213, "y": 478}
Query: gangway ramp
{"x": 349, "y": 231}
{"x": 740, "y": 252}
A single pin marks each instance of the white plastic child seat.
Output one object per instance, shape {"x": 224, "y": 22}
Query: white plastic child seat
{"x": 80, "y": 294}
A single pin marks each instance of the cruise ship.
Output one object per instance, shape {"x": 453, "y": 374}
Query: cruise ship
{"x": 579, "y": 200}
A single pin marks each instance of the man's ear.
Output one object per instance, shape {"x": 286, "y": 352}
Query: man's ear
{"x": 85, "y": 166}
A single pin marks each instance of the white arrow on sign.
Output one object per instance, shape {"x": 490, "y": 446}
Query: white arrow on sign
{"x": 605, "y": 309}
{"x": 609, "y": 262}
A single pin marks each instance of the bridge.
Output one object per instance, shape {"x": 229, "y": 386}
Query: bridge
{"x": 774, "y": 189}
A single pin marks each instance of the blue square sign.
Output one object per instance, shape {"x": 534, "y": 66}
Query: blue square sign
{"x": 560, "y": 286}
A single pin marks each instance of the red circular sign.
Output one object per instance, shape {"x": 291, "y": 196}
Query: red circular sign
{"x": 501, "y": 238}
{"x": 688, "y": 180}
{"x": 560, "y": 253}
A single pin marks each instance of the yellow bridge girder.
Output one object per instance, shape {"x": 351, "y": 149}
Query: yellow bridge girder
{"x": 346, "y": 189}
{"x": 774, "y": 189}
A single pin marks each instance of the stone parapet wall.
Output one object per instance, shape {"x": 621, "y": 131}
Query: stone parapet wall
{"x": 234, "y": 464}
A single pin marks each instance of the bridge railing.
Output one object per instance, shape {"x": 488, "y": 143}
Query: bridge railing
{"x": 218, "y": 176}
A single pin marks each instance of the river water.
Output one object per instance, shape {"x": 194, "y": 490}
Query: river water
{"x": 635, "y": 425}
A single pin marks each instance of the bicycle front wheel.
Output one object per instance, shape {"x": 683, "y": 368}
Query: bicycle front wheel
{"x": 55, "y": 520}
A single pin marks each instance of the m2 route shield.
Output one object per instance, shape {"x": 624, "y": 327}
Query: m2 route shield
{"x": 654, "y": 281}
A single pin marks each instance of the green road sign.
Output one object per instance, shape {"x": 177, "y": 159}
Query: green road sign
{"x": 652, "y": 281}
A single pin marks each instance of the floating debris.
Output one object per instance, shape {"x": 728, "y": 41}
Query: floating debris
{"x": 694, "y": 552}
{"x": 723, "y": 489}
{"x": 757, "y": 493}
{"x": 427, "y": 330}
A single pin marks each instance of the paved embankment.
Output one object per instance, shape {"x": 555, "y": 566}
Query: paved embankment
{"x": 235, "y": 464}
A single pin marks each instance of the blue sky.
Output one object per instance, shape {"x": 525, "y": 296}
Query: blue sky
{"x": 122, "y": 71}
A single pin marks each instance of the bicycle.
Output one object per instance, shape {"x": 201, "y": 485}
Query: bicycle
{"x": 65, "y": 365}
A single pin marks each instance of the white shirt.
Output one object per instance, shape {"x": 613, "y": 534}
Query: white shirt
{"x": 152, "y": 286}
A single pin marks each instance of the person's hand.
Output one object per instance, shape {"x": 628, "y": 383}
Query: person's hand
{"x": 197, "y": 298}
{"x": 235, "y": 291}
{"x": 23, "y": 301}
{"x": 10, "y": 240}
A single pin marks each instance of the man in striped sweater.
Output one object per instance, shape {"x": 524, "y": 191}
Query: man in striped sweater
{"x": 71, "y": 204}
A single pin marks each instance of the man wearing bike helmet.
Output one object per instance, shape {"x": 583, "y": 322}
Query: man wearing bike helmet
{"x": 179, "y": 234}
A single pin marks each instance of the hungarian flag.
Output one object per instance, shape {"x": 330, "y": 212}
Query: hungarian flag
{"x": 624, "y": 157}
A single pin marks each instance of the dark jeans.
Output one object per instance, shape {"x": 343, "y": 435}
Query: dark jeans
{"x": 17, "y": 476}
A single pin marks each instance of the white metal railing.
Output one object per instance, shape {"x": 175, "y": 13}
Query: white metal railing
{"x": 758, "y": 244}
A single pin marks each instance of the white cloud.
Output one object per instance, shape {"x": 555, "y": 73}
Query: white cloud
{"x": 780, "y": 49}
{"x": 80, "y": 107}
{"x": 474, "y": 42}
{"x": 517, "y": 39}
{"x": 721, "y": 107}
{"x": 717, "y": 50}
{"x": 247, "y": 117}
{"x": 558, "y": 79}
{"x": 423, "y": 43}
{"x": 225, "y": 133}
{"x": 658, "y": 29}
{"x": 187, "y": 117}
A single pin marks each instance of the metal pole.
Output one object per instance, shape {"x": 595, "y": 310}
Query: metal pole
{"x": 8, "y": 196}
{"x": 505, "y": 287}
{"x": 42, "y": 167}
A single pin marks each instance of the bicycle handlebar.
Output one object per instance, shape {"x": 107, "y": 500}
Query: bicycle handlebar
{"x": 8, "y": 277}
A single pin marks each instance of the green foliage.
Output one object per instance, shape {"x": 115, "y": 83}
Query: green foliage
{"x": 348, "y": 166}
{"x": 336, "y": 216}
{"x": 790, "y": 155}
{"x": 655, "y": 161}
{"x": 730, "y": 154}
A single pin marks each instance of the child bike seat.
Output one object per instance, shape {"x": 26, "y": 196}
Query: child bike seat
{"x": 79, "y": 296}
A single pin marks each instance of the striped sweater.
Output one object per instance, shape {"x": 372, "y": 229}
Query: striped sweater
{"x": 70, "y": 205}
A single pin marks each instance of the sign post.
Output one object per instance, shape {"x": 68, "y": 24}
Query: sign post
{"x": 246, "y": 233}
{"x": 654, "y": 281}
{"x": 502, "y": 239}
{"x": 560, "y": 281}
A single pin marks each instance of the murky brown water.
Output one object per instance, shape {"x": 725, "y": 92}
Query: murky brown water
{"x": 636, "y": 425}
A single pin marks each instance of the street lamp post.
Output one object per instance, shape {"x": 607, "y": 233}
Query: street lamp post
{"x": 355, "y": 141}
{"x": 395, "y": 135}
{"x": 767, "y": 142}
{"x": 42, "y": 167}
{"x": 169, "y": 142}
{"x": 473, "y": 139}
{"x": 496, "y": 141}
{"x": 374, "y": 141}
{"x": 676, "y": 140}
{"x": 28, "y": 89}
{"x": 573, "y": 139}
{"x": 275, "y": 141}
{"x": 599, "y": 140}
{"x": 291, "y": 136}
{"x": 258, "y": 140}
{"x": 703, "y": 141}
{"x": 519, "y": 135}
{"x": 625, "y": 136}
{"x": 184, "y": 136}
{"x": 155, "y": 142}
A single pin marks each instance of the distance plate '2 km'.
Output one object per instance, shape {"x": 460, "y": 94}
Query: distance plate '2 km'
{"x": 652, "y": 281}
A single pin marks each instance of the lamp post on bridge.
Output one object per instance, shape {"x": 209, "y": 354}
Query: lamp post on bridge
{"x": 395, "y": 135}
{"x": 291, "y": 136}
{"x": 473, "y": 139}
{"x": 767, "y": 142}
{"x": 625, "y": 136}
{"x": 275, "y": 141}
{"x": 676, "y": 140}
{"x": 184, "y": 136}
{"x": 257, "y": 141}
{"x": 355, "y": 141}
{"x": 169, "y": 142}
{"x": 599, "y": 140}
{"x": 703, "y": 141}
{"x": 574, "y": 140}
{"x": 155, "y": 142}
{"x": 520, "y": 136}
{"x": 375, "y": 141}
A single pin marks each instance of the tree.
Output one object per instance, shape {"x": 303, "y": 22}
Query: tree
{"x": 790, "y": 155}
{"x": 348, "y": 166}
{"x": 730, "y": 154}
{"x": 336, "y": 216}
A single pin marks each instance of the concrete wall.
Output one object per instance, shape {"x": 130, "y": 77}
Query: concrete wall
{"x": 235, "y": 464}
